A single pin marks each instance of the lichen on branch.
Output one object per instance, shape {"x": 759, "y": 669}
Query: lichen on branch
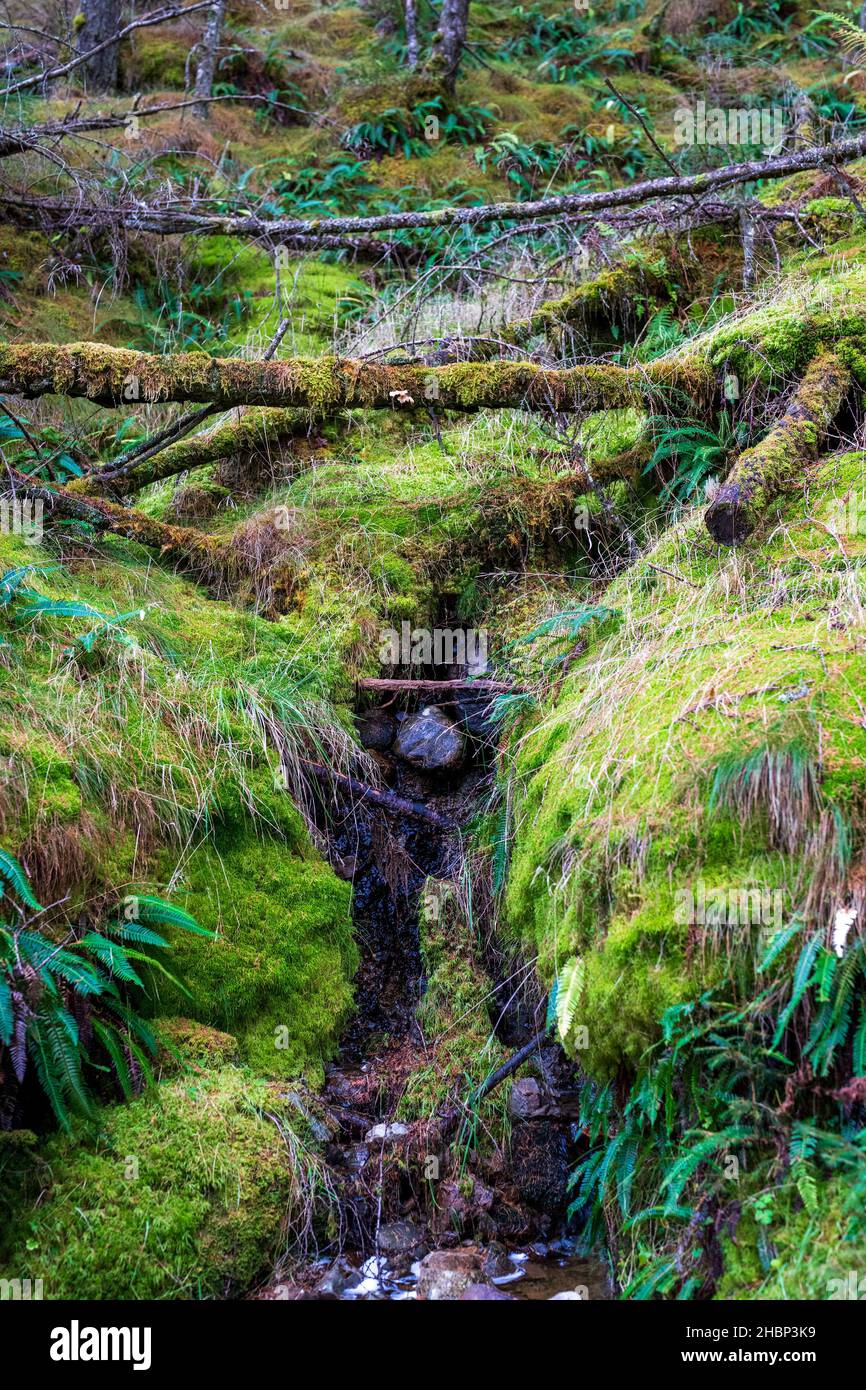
{"x": 760, "y": 473}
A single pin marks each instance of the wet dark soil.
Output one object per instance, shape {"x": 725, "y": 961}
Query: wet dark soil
{"x": 388, "y": 857}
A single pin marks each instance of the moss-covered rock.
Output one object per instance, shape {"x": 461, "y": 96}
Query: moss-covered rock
{"x": 187, "y": 1192}
{"x": 278, "y": 973}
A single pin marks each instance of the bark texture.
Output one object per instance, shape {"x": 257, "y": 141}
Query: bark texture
{"x": 112, "y": 376}
{"x": 101, "y": 22}
{"x": 449, "y": 42}
{"x": 204, "y": 73}
{"x": 761, "y": 473}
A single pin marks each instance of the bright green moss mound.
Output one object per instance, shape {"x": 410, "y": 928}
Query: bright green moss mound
{"x": 788, "y": 1248}
{"x": 186, "y": 1192}
{"x": 278, "y": 974}
{"x": 140, "y": 766}
{"x": 727, "y": 657}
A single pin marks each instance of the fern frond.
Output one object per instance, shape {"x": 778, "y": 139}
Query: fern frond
{"x": 157, "y": 910}
{"x": 569, "y": 991}
{"x": 12, "y": 873}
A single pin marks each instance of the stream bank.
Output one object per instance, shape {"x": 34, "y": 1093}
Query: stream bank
{"x": 441, "y": 1193}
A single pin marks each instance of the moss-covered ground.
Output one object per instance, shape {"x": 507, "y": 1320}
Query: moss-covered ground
{"x": 703, "y": 725}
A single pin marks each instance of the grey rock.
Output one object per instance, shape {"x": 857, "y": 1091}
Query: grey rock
{"x": 525, "y": 1097}
{"x": 485, "y": 1293}
{"x": 386, "y": 1134}
{"x": 336, "y": 1279}
{"x": 446, "y": 1274}
{"x": 430, "y": 740}
{"x": 496, "y": 1262}
{"x": 400, "y": 1238}
{"x": 376, "y": 729}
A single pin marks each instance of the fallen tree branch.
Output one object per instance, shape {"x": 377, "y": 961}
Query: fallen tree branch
{"x": 256, "y": 431}
{"x": 209, "y": 558}
{"x": 15, "y": 139}
{"x": 761, "y": 473}
{"x": 388, "y": 801}
{"x": 514, "y": 1061}
{"x": 171, "y": 221}
{"x": 112, "y": 376}
{"x": 131, "y": 216}
{"x": 163, "y": 16}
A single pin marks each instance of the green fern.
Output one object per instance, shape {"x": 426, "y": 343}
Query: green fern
{"x": 89, "y": 977}
{"x": 12, "y": 873}
{"x": 569, "y": 992}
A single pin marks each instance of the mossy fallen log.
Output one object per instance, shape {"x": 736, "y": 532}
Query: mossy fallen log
{"x": 760, "y": 473}
{"x": 256, "y": 431}
{"x": 112, "y": 376}
{"x": 599, "y": 300}
{"x": 207, "y": 557}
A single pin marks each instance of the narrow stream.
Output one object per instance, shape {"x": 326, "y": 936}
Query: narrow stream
{"x": 432, "y": 751}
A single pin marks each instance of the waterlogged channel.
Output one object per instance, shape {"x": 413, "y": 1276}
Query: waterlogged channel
{"x": 494, "y": 1228}
{"x": 540, "y": 1273}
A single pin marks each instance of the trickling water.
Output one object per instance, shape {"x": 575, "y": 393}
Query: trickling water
{"x": 388, "y": 858}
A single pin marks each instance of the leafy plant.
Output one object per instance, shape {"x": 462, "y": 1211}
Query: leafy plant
{"x": 720, "y": 1088}
{"x": 64, "y": 1004}
{"x": 415, "y": 131}
{"x": 696, "y": 450}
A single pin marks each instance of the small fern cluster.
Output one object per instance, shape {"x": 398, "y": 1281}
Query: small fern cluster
{"x": 731, "y": 1092}
{"x": 64, "y": 1005}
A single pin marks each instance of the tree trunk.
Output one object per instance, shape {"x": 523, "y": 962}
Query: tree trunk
{"x": 411, "y": 35}
{"x": 101, "y": 20}
{"x": 210, "y": 43}
{"x": 449, "y": 42}
{"x": 760, "y": 474}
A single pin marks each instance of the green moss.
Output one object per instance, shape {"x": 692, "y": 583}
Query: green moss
{"x": 154, "y": 59}
{"x": 613, "y": 814}
{"x": 278, "y": 974}
{"x": 182, "y": 1193}
{"x": 786, "y": 1248}
{"x": 453, "y": 1017}
{"x": 183, "y": 1042}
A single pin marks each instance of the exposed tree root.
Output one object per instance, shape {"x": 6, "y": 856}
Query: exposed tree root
{"x": 760, "y": 473}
